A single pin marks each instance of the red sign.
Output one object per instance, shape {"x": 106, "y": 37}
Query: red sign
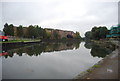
{"x": 2, "y": 54}
{"x": 3, "y": 37}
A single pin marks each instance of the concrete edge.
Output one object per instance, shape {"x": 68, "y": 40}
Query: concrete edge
{"x": 84, "y": 74}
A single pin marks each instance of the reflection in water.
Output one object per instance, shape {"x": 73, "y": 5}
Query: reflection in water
{"x": 36, "y": 50}
{"x": 25, "y": 64}
{"x": 55, "y": 64}
{"x": 97, "y": 50}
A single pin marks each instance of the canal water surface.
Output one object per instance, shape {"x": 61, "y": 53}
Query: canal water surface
{"x": 50, "y": 60}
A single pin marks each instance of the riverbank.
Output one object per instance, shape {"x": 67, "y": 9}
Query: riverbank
{"x": 107, "y": 68}
{"x": 60, "y": 40}
{"x": 18, "y": 43}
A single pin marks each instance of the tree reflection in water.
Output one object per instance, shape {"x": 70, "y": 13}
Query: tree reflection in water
{"x": 99, "y": 50}
{"x": 35, "y": 50}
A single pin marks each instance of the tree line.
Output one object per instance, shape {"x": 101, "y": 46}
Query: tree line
{"x": 31, "y": 31}
{"x": 97, "y": 33}
{"x": 25, "y": 32}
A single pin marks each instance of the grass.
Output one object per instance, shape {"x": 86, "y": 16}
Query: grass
{"x": 14, "y": 41}
{"x": 89, "y": 70}
{"x": 96, "y": 66}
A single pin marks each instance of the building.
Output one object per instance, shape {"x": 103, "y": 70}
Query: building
{"x": 61, "y": 33}
{"x": 114, "y": 32}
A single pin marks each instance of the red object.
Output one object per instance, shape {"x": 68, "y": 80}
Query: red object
{"x": 3, "y": 37}
{"x": 5, "y": 53}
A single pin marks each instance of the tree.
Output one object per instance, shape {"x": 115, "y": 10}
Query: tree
{"x": 56, "y": 35}
{"x": 103, "y": 31}
{"x": 6, "y": 29}
{"x": 88, "y": 35}
{"x": 77, "y": 35}
{"x": 20, "y": 31}
{"x": 97, "y": 33}
{"x": 48, "y": 35}
{"x": 31, "y": 31}
{"x": 9, "y": 29}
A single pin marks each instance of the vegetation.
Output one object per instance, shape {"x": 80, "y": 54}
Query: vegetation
{"x": 89, "y": 70}
{"x": 34, "y": 32}
{"x": 37, "y": 49}
{"x": 100, "y": 48}
{"x": 8, "y": 29}
{"x": 77, "y": 35}
{"x": 97, "y": 33}
{"x": 14, "y": 41}
{"x": 20, "y": 31}
{"x": 96, "y": 66}
{"x": 31, "y": 31}
{"x": 56, "y": 35}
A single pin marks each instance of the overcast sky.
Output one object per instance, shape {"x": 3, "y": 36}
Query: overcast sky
{"x": 74, "y": 15}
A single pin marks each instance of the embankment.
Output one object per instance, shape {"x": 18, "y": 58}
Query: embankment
{"x": 107, "y": 68}
{"x": 18, "y": 44}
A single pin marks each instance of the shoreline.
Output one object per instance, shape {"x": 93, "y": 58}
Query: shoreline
{"x": 101, "y": 68}
{"x": 17, "y": 44}
{"x": 5, "y": 44}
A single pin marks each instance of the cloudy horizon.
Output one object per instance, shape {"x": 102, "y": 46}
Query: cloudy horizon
{"x": 73, "y": 15}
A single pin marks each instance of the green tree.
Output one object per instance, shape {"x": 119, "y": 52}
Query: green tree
{"x": 88, "y": 35}
{"x": 103, "y": 31}
{"x": 48, "y": 35}
{"x": 97, "y": 33}
{"x": 6, "y": 29}
{"x": 56, "y": 35}
{"x": 9, "y": 29}
{"x": 20, "y": 31}
{"x": 77, "y": 35}
{"x": 32, "y": 32}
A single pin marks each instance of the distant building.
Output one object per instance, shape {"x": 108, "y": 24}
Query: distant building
{"x": 114, "y": 32}
{"x": 61, "y": 33}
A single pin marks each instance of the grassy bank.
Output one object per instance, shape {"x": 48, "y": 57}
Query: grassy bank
{"x": 16, "y": 41}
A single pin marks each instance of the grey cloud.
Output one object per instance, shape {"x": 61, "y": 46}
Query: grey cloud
{"x": 61, "y": 14}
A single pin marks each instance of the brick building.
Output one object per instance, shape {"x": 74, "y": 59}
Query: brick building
{"x": 61, "y": 33}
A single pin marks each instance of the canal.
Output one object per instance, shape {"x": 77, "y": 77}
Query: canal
{"x": 50, "y": 60}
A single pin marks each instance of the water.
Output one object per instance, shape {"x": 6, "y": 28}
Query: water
{"x": 50, "y": 61}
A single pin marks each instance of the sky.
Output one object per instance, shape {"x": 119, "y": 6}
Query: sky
{"x": 71, "y": 15}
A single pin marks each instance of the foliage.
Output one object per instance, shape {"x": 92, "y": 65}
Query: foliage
{"x": 77, "y": 35}
{"x": 34, "y": 32}
{"x": 64, "y": 38}
{"x": 56, "y": 35}
{"x": 97, "y": 33}
{"x": 48, "y": 35}
{"x": 88, "y": 34}
{"x": 89, "y": 70}
{"x": 8, "y": 29}
{"x": 96, "y": 66}
{"x": 20, "y": 31}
